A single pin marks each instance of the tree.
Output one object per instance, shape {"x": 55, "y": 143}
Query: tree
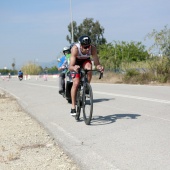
{"x": 31, "y": 68}
{"x": 13, "y": 66}
{"x": 87, "y": 27}
{"x": 68, "y": 38}
{"x": 161, "y": 40}
{"x": 112, "y": 55}
{"x": 6, "y": 71}
{"x": 52, "y": 70}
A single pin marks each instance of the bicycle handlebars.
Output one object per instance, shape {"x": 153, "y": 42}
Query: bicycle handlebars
{"x": 101, "y": 73}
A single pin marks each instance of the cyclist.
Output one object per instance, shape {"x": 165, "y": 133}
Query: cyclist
{"x": 63, "y": 67}
{"x": 80, "y": 57}
{"x": 9, "y": 75}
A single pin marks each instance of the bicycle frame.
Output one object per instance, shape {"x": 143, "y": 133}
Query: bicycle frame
{"x": 82, "y": 96}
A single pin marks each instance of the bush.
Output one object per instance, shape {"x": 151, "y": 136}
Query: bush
{"x": 130, "y": 76}
{"x": 160, "y": 68}
{"x": 156, "y": 69}
{"x": 31, "y": 68}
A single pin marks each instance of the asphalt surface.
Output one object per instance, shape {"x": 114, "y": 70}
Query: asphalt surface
{"x": 130, "y": 129}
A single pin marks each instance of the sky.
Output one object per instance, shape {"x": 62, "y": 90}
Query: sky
{"x": 36, "y": 30}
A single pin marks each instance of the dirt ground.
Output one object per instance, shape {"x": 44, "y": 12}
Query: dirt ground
{"x": 25, "y": 144}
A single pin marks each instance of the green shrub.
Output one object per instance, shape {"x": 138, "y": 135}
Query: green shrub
{"x": 130, "y": 76}
{"x": 156, "y": 69}
{"x": 160, "y": 67}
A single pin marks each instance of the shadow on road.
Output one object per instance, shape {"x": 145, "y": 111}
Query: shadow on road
{"x": 101, "y": 100}
{"x": 103, "y": 120}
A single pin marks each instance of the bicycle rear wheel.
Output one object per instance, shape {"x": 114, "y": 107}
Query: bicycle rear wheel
{"x": 78, "y": 101}
{"x": 87, "y": 103}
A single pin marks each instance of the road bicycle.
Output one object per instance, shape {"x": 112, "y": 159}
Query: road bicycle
{"x": 84, "y": 98}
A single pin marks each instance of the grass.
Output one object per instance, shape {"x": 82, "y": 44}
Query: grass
{"x": 152, "y": 71}
{"x": 108, "y": 77}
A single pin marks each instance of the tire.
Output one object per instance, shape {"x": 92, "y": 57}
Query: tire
{"x": 87, "y": 103}
{"x": 69, "y": 101}
{"x": 68, "y": 91}
{"x": 78, "y": 109}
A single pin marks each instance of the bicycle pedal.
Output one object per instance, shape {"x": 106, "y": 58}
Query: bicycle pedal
{"x": 87, "y": 95}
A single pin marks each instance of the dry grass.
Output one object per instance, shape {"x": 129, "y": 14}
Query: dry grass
{"x": 13, "y": 156}
{"x": 33, "y": 146}
{"x": 108, "y": 77}
{"x": 113, "y": 78}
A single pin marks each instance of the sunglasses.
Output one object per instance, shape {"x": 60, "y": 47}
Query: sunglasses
{"x": 87, "y": 46}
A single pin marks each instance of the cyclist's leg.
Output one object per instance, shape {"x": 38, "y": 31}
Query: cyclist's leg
{"x": 88, "y": 66}
{"x": 76, "y": 81}
{"x": 61, "y": 82}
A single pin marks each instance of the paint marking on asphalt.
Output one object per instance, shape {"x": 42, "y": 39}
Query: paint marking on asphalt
{"x": 114, "y": 94}
{"x": 33, "y": 84}
{"x": 135, "y": 97}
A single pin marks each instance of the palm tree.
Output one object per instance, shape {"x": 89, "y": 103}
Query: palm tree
{"x": 13, "y": 66}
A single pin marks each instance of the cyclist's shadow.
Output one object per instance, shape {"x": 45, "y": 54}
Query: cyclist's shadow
{"x": 103, "y": 120}
{"x": 102, "y": 100}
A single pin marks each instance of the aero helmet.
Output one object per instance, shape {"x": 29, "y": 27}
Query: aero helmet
{"x": 85, "y": 40}
{"x": 66, "y": 49}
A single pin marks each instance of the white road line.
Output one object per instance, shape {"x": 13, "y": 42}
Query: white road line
{"x": 119, "y": 95}
{"x": 134, "y": 97}
{"x": 33, "y": 84}
{"x": 157, "y": 117}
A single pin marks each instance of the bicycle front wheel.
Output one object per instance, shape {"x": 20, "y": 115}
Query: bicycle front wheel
{"x": 87, "y": 103}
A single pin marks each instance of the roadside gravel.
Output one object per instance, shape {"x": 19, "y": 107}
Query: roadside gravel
{"x": 25, "y": 144}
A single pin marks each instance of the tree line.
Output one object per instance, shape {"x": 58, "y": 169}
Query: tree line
{"x": 114, "y": 55}
{"x": 138, "y": 63}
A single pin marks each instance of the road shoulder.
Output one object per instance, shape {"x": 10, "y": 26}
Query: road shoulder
{"x": 24, "y": 143}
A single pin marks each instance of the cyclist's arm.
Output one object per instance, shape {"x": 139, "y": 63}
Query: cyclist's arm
{"x": 96, "y": 59}
{"x": 64, "y": 65}
{"x": 74, "y": 53}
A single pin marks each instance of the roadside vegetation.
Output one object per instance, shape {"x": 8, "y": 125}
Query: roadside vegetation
{"x": 124, "y": 62}
{"x": 129, "y": 62}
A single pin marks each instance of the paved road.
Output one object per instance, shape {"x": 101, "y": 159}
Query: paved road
{"x": 130, "y": 129}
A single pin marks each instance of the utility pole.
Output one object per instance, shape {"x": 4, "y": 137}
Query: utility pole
{"x": 13, "y": 64}
{"x": 72, "y": 35}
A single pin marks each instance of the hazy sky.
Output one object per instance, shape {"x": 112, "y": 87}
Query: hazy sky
{"x": 36, "y": 30}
